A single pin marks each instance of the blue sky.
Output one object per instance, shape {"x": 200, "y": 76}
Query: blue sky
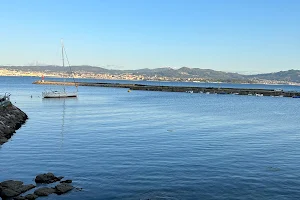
{"x": 246, "y": 36}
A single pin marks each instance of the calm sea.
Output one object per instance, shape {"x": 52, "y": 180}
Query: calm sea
{"x": 156, "y": 145}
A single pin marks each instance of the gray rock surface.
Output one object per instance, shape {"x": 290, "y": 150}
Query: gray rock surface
{"x": 66, "y": 181}
{"x": 19, "y": 198}
{"x": 44, "y": 191}
{"x": 31, "y": 196}
{"x": 27, "y": 197}
{"x": 63, "y": 188}
{"x": 47, "y": 178}
{"x": 12, "y": 188}
{"x": 11, "y": 119}
{"x": 7, "y": 192}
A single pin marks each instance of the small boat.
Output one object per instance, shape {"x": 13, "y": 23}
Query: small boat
{"x": 58, "y": 94}
{"x": 189, "y": 91}
{"x": 295, "y": 96}
{"x": 61, "y": 94}
{"x": 259, "y": 95}
{"x": 278, "y": 90}
{"x": 5, "y": 100}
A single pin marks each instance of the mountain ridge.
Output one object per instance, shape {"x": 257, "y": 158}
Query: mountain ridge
{"x": 181, "y": 73}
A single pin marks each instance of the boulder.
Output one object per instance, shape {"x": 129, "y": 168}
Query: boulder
{"x": 11, "y": 184}
{"x": 66, "y": 181}
{"x": 47, "y": 178}
{"x": 27, "y": 197}
{"x": 6, "y": 193}
{"x": 13, "y": 188}
{"x": 31, "y": 196}
{"x": 63, "y": 188}
{"x": 19, "y": 198}
{"x": 44, "y": 191}
{"x": 25, "y": 188}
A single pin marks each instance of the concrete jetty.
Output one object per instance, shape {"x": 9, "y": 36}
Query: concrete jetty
{"x": 210, "y": 90}
{"x": 11, "y": 119}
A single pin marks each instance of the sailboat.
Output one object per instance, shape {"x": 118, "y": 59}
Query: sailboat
{"x": 63, "y": 93}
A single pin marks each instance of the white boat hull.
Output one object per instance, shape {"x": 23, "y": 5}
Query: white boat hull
{"x": 55, "y": 94}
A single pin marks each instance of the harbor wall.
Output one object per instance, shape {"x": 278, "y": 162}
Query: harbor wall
{"x": 211, "y": 90}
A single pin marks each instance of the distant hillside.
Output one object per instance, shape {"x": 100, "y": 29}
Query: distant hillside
{"x": 182, "y": 73}
{"x": 289, "y": 76}
{"x": 186, "y": 72}
{"x": 52, "y": 68}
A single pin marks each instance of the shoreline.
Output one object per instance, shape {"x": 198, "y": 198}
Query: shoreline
{"x": 207, "y": 90}
{"x": 11, "y": 119}
{"x": 154, "y": 80}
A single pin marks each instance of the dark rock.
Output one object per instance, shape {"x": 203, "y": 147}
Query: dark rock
{"x": 47, "y": 178}
{"x": 19, "y": 198}
{"x": 63, "y": 188}
{"x": 66, "y": 181}
{"x": 31, "y": 196}
{"x": 13, "y": 188}
{"x": 3, "y": 140}
{"x": 79, "y": 189}
{"x": 6, "y": 192}
{"x": 11, "y": 184}
{"x": 44, "y": 191}
{"x": 11, "y": 119}
{"x": 25, "y": 188}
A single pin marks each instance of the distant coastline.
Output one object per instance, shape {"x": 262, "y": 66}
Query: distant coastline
{"x": 119, "y": 79}
{"x": 184, "y": 74}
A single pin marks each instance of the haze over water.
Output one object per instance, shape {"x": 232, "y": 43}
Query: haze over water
{"x": 156, "y": 145}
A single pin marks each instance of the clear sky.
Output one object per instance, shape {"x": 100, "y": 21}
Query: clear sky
{"x": 228, "y": 35}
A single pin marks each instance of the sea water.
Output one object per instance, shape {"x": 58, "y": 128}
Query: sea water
{"x": 156, "y": 145}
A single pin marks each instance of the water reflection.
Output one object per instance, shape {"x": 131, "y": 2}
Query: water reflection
{"x": 63, "y": 123}
{"x": 60, "y": 102}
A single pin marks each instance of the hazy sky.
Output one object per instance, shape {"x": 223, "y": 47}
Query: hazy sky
{"x": 227, "y": 35}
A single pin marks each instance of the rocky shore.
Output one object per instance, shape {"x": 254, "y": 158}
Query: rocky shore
{"x": 11, "y": 119}
{"x": 12, "y": 189}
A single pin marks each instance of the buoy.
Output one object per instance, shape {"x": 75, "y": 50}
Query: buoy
{"x": 129, "y": 91}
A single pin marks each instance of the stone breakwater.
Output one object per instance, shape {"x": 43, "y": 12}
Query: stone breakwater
{"x": 207, "y": 90}
{"x": 11, "y": 119}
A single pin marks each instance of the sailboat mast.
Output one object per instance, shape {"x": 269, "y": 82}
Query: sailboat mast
{"x": 63, "y": 61}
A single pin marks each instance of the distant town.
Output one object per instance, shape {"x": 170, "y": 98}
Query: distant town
{"x": 125, "y": 76}
{"x": 137, "y": 75}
